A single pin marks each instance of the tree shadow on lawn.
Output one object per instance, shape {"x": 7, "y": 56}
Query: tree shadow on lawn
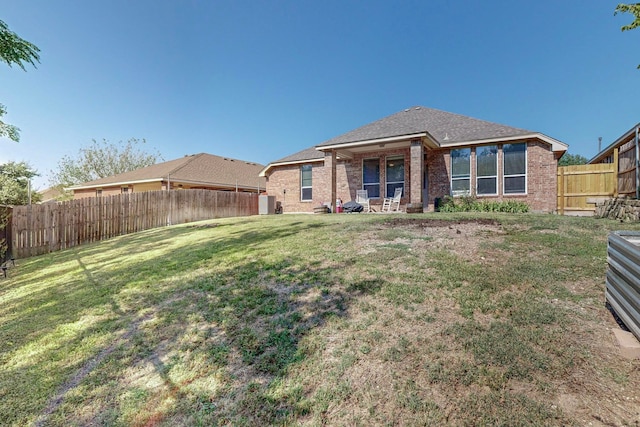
{"x": 261, "y": 310}
{"x": 49, "y": 305}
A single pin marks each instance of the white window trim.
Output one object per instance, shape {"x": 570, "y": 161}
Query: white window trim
{"x": 302, "y": 188}
{"x": 372, "y": 183}
{"x": 467, "y": 177}
{"x": 478, "y": 177}
{"x": 396, "y": 157}
{"x": 526, "y": 172}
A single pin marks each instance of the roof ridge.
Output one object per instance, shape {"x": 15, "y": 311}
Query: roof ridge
{"x": 182, "y": 165}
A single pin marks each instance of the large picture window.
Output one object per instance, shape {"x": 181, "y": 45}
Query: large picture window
{"x": 515, "y": 168}
{"x": 395, "y": 174}
{"x": 460, "y": 171}
{"x": 487, "y": 170}
{"x": 306, "y": 192}
{"x": 371, "y": 177}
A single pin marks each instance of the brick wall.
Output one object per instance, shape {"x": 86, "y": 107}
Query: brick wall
{"x": 542, "y": 168}
{"x": 348, "y": 180}
{"x": 438, "y": 164}
{"x": 541, "y": 179}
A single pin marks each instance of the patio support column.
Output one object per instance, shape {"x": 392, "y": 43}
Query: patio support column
{"x": 330, "y": 160}
{"x": 416, "y": 167}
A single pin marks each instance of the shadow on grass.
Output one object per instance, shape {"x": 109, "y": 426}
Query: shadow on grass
{"x": 250, "y": 313}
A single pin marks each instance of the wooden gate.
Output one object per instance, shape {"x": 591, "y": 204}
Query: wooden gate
{"x": 581, "y": 186}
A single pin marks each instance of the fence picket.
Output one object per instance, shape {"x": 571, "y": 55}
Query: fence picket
{"x": 39, "y": 229}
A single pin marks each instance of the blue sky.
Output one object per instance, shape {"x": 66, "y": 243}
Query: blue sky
{"x": 259, "y": 80}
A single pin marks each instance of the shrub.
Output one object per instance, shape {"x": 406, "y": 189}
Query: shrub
{"x": 472, "y": 204}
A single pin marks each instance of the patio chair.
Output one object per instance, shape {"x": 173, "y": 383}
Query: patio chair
{"x": 362, "y": 198}
{"x": 391, "y": 204}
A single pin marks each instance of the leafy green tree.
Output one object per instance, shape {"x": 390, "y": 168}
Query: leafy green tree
{"x": 14, "y": 50}
{"x": 6, "y": 130}
{"x": 100, "y": 160}
{"x": 572, "y": 159}
{"x": 15, "y": 178}
{"x": 634, "y": 9}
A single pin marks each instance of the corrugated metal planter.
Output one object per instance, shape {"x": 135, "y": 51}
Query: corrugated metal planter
{"x": 623, "y": 277}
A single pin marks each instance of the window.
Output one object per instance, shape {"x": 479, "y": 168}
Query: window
{"x": 460, "y": 171}
{"x": 305, "y": 183}
{"x": 487, "y": 170}
{"x": 515, "y": 168}
{"x": 99, "y": 192}
{"x": 124, "y": 190}
{"x": 395, "y": 174}
{"x": 371, "y": 177}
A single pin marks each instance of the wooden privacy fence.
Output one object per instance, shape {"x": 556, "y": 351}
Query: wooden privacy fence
{"x": 39, "y": 229}
{"x": 5, "y": 233}
{"x": 627, "y": 173}
{"x": 580, "y": 186}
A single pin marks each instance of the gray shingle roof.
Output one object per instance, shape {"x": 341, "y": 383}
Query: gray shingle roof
{"x": 202, "y": 168}
{"x": 307, "y": 154}
{"x": 443, "y": 126}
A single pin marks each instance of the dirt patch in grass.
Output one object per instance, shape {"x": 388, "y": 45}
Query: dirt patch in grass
{"x": 525, "y": 353}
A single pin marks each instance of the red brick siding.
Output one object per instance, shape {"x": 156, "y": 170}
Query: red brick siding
{"x": 438, "y": 164}
{"x": 542, "y": 168}
{"x": 541, "y": 178}
{"x": 348, "y": 180}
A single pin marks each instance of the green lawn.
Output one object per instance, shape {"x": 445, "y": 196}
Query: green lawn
{"x": 320, "y": 320}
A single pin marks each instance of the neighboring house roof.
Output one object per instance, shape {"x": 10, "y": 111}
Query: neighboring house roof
{"x": 196, "y": 169}
{"x": 441, "y": 128}
{"x": 626, "y": 137}
{"x": 50, "y": 194}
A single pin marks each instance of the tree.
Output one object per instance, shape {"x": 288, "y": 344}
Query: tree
{"x": 6, "y": 130}
{"x": 14, "y": 50}
{"x": 572, "y": 159}
{"x": 634, "y": 9}
{"x": 100, "y": 160}
{"x": 15, "y": 183}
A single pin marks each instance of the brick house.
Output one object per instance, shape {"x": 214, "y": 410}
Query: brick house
{"x": 197, "y": 171}
{"x": 430, "y": 154}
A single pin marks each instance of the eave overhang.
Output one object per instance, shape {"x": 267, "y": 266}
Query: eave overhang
{"x": 346, "y": 150}
{"x": 556, "y": 146}
{"x": 264, "y": 171}
{"x": 112, "y": 184}
{"x": 172, "y": 180}
{"x": 617, "y": 143}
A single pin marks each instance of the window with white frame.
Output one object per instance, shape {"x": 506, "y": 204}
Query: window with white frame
{"x": 124, "y": 190}
{"x": 487, "y": 170}
{"x": 460, "y": 171}
{"x": 371, "y": 177}
{"x": 515, "y": 168}
{"x": 395, "y": 174}
{"x": 305, "y": 183}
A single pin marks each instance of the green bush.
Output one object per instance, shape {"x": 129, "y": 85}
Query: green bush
{"x": 472, "y": 204}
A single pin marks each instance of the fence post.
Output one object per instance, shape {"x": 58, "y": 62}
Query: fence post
{"x": 561, "y": 182}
